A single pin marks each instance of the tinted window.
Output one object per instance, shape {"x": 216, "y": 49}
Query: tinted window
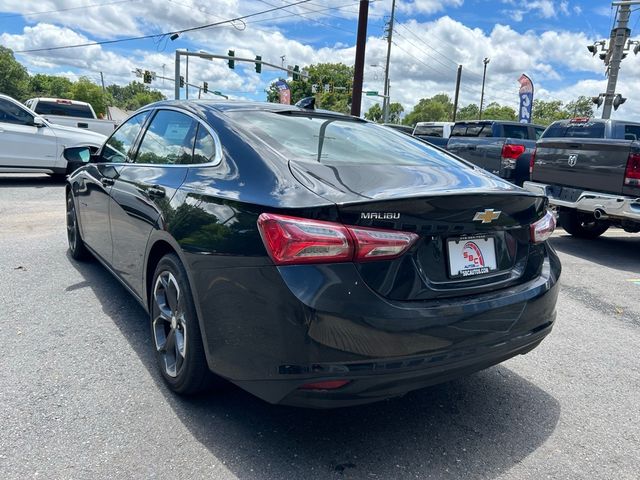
{"x": 577, "y": 130}
{"x": 472, "y": 130}
{"x": 516, "y": 131}
{"x": 632, "y": 132}
{"x": 205, "y": 148}
{"x": 169, "y": 139}
{"x": 64, "y": 109}
{"x": 539, "y": 132}
{"x": 459, "y": 130}
{"x": 336, "y": 140}
{"x": 430, "y": 131}
{"x": 12, "y": 113}
{"x": 117, "y": 148}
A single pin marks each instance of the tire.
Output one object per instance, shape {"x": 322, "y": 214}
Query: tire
{"x": 77, "y": 248}
{"x": 175, "y": 330}
{"x": 581, "y": 226}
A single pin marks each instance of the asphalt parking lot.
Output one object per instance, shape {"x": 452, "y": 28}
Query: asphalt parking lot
{"x": 80, "y": 396}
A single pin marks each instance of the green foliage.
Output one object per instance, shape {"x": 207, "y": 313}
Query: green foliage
{"x": 133, "y": 96}
{"x": 546, "y": 112}
{"x": 438, "y": 108}
{"x": 14, "y": 78}
{"x": 375, "y": 113}
{"x": 338, "y": 75}
{"x": 85, "y": 90}
{"x": 470, "y": 112}
{"x": 495, "y": 111}
{"x": 41, "y": 85}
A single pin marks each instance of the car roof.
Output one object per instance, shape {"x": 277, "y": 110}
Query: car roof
{"x": 503, "y": 122}
{"x": 49, "y": 99}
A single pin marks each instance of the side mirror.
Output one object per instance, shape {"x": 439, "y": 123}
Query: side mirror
{"x": 38, "y": 122}
{"x": 76, "y": 157}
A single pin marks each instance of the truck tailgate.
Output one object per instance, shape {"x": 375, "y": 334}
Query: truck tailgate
{"x": 588, "y": 164}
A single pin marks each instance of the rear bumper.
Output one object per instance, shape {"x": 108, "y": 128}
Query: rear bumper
{"x": 617, "y": 206}
{"x": 273, "y": 330}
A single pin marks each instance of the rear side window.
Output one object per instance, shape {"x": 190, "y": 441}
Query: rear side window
{"x": 575, "y": 130}
{"x": 429, "y": 131}
{"x": 632, "y": 132}
{"x": 63, "y": 109}
{"x": 168, "y": 140}
{"x": 12, "y": 113}
{"x": 472, "y": 130}
{"x": 516, "y": 131}
{"x": 117, "y": 148}
{"x": 205, "y": 147}
{"x": 539, "y": 132}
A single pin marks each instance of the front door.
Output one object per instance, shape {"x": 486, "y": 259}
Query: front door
{"x": 25, "y": 145}
{"x": 97, "y": 183}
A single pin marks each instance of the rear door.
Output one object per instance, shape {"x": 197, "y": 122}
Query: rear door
{"x": 579, "y": 155}
{"x": 142, "y": 193}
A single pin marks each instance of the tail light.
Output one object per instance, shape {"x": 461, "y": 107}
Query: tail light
{"x": 632, "y": 172}
{"x": 325, "y": 385}
{"x": 532, "y": 162}
{"x": 510, "y": 154}
{"x": 292, "y": 240}
{"x": 543, "y": 228}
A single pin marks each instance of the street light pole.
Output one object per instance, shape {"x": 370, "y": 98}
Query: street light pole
{"x": 484, "y": 76}
{"x": 361, "y": 42}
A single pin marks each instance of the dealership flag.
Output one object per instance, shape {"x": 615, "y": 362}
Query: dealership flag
{"x": 285, "y": 92}
{"x": 526, "y": 99}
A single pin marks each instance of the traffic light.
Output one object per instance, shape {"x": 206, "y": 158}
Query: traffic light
{"x": 232, "y": 62}
{"x": 296, "y": 72}
{"x": 618, "y": 100}
{"x": 205, "y": 87}
{"x": 258, "y": 64}
{"x": 146, "y": 76}
{"x": 181, "y": 81}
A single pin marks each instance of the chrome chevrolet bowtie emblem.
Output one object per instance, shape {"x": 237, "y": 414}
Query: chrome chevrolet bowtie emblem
{"x": 488, "y": 216}
{"x": 572, "y": 160}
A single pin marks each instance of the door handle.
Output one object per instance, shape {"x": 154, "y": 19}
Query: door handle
{"x": 472, "y": 147}
{"x": 106, "y": 181}
{"x": 156, "y": 192}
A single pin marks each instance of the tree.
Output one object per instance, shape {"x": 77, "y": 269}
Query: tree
{"x": 546, "y": 112}
{"x": 438, "y": 108}
{"x": 581, "y": 107}
{"x": 339, "y": 78}
{"x": 133, "y": 96}
{"x": 14, "y": 78}
{"x": 41, "y": 85}
{"x": 375, "y": 113}
{"x": 85, "y": 90}
{"x": 470, "y": 112}
{"x": 495, "y": 111}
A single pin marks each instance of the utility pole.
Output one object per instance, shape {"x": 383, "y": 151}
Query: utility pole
{"x": 385, "y": 101}
{"x": 455, "y": 101}
{"x": 186, "y": 79}
{"x": 102, "y": 81}
{"x": 617, "y": 42}
{"x": 484, "y": 76}
{"x": 361, "y": 42}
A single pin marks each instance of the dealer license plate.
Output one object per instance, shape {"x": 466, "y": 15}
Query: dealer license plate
{"x": 471, "y": 256}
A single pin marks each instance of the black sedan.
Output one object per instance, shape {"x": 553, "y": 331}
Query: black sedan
{"x": 311, "y": 258}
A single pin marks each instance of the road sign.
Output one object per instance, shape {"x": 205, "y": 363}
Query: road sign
{"x": 371, "y": 93}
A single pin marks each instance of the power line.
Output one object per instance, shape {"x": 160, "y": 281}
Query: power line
{"x": 311, "y": 12}
{"x": 30, "y": 14}
{"x": 158, "y": 35}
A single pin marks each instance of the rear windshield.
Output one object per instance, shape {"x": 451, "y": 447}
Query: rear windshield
{"x": 472, "y": 130}
{"x": 334, "y": 140}
{"x": 516, "y": 131}
{"x": 577, "y": 130}
{"x": 632, "y": 132}
{"x": 63, "y": 109}
{"x": 429, "y": 130}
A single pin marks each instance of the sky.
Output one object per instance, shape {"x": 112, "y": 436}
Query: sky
{"x": 545, "y": 39}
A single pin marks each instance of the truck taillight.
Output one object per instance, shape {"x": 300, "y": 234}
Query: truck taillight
{"x": 532, "y": 162}
{"x": 293, "y": 240}
{"x": 543, "y": 228}
{"x": 632, "y": 172}
{"x": 510, "y": 154}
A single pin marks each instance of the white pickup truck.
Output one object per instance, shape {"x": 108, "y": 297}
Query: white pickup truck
{"x": 28, "y": 143}
{"x": 71, "y": 113}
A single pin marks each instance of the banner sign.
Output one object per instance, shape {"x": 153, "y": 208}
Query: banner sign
{"x": 526, "y": 99}
{"x": 285, "y": 93}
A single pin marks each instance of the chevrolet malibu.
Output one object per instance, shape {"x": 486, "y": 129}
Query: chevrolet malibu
{"x": 311, "y": 258}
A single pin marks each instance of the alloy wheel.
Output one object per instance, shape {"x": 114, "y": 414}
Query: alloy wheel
{"x": 72, "y": 225}
{"x": 169, "y": 325}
